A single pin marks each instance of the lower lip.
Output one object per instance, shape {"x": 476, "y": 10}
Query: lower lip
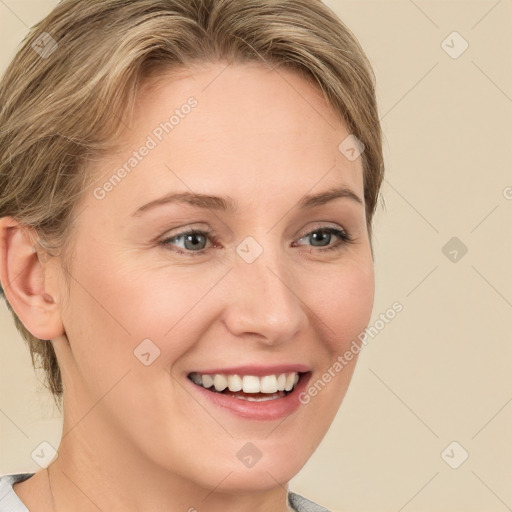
{"x": 264, "y": 411}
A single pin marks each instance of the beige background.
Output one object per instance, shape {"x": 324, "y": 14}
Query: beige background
{"x": 440, "y": 371}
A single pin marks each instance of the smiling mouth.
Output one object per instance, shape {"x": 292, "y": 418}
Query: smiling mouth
{"x": 249, "y": 387}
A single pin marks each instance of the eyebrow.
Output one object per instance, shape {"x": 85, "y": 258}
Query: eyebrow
{"x": 229, "y": 205}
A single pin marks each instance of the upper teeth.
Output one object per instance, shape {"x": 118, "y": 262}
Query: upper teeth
{"x": 247, "y": 383}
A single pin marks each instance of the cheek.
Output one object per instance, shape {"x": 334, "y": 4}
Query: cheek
{"x": 343, "y": 302}
{"x": 117, "y": 305}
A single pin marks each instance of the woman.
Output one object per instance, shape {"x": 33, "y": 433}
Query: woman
{"x": 187, "y": 191}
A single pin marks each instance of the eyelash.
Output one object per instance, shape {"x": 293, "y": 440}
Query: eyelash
{"x": 344, "y": 239}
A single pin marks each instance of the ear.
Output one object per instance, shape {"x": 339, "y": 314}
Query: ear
{"x": 28, "y": 281}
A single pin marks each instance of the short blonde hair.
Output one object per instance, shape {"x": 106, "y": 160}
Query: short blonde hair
{"x": 72, "y": 84}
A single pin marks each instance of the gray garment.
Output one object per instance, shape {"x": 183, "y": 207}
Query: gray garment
{"x": 9, "y": 501}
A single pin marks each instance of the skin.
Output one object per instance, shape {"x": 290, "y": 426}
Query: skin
{"x": 133, "y": 437}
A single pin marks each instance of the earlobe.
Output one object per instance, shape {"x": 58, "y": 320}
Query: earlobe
{"x": 23, "y": 277}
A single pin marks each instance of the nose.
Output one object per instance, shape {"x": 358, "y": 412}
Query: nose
{"x": 264, "y": 303}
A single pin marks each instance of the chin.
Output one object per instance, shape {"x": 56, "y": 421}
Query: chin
{"x": 261, "y": 477}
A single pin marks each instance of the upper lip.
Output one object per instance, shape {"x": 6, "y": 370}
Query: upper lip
{"x": 258, "y": 371}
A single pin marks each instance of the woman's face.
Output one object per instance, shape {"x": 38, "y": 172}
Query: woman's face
{"x": 269, "y": 284}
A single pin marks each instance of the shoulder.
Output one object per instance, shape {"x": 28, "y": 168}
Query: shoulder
{"x": 9, "y": 501}
{"x": 301, "y": 504}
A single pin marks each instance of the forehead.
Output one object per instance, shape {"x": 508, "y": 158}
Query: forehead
{"x": 250, "y": 127}
{"x": 237, "y": 100}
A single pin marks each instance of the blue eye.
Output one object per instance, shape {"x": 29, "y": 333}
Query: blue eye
{"x": 194, "y": 242}
{"x": 323, "y": 237}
